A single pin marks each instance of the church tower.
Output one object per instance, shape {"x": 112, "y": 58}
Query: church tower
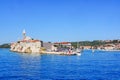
{"x": 24, "y": 34}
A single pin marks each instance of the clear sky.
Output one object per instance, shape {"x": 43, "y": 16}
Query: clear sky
{"x": 60, "y": 20}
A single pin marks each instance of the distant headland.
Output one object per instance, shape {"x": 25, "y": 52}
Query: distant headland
{"x": 7, "y": 45}
{"x": 28, "y": 44}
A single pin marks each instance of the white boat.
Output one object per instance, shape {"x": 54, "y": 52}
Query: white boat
{"x": 78, "y": 51}
{"x": 78, "y": 54}
{"x": 73, "y": 52}
{"x": 70, "y": 53}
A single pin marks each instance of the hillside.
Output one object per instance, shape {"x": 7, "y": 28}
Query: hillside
{"x": 5, "y": 46}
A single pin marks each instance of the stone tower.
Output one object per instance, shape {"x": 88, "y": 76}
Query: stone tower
{"x": 24, "y": 34}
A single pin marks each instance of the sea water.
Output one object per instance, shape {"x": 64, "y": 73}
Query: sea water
{"x": 89, "y": 66}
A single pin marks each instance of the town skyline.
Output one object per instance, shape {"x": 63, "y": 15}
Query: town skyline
{"x": 61, "y": 20}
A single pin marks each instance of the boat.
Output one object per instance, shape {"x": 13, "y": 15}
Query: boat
{"x": 78, "y": 54}
{"x": 71, "y": 52}
{"x": 78, "y": 51}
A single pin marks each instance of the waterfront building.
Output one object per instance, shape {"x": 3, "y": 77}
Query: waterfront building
{"x": 49, "y": 46}
{"x": 86, "y": 47}
{"x": 109, "y": 46}
{"x": 63, "y": 44}
{"x": 27, "y": 45}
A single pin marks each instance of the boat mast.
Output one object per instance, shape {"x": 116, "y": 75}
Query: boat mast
{"x": 77, "y": 45}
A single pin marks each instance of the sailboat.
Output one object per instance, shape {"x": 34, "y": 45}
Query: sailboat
{"x": 78, "y": 51}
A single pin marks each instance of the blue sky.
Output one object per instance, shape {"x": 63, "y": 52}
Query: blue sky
{"x": 60, "y": 20}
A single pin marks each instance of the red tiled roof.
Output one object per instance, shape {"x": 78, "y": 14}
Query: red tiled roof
{"x": 30, "y": 41}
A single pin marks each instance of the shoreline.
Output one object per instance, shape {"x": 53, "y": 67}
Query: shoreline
{"x": 45, "y": 52}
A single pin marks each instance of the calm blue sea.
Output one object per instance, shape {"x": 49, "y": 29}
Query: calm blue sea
{"x": 89, "y": 66}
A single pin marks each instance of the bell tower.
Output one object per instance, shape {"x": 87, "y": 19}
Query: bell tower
{"x": 24, "y": 34}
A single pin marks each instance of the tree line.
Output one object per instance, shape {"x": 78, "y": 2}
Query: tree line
{"x": 93, "y": 43}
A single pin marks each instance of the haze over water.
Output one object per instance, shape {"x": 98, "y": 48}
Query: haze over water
{"x": 89, "y": 66}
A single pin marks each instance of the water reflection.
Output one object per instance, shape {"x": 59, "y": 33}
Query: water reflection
{"x": 30, "y": 64}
